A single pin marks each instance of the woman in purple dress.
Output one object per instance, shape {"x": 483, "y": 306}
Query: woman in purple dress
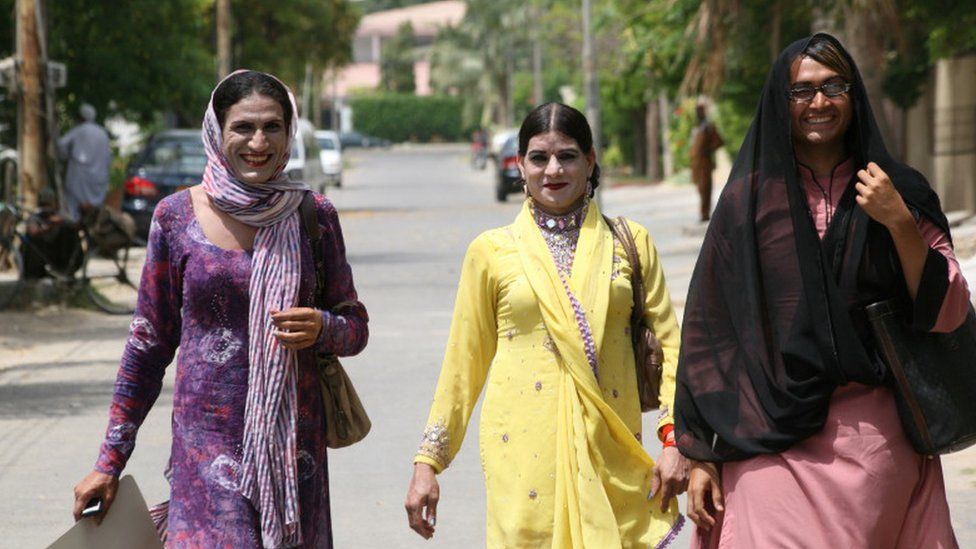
{"x": 229, "y": 280}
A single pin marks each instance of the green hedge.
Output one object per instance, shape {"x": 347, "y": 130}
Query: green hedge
{"x": 407, "y": 117}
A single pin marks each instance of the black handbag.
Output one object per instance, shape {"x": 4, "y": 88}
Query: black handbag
{"x": 933, "y": 376}
{"x": 346, "y": 421}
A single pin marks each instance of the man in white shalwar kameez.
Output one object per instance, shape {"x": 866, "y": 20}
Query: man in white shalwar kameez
{"x": 88, "y": 155}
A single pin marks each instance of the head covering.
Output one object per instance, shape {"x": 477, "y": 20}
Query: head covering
{"x": 767, "y": 334}
{"x": 269, "y": 465}
{"x": 87, "y": 112}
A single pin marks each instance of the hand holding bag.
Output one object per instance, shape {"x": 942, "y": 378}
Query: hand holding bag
{"x": 934, "y": 378}
{"x": 648, "y": 353}
{"x": 346, "y": 421}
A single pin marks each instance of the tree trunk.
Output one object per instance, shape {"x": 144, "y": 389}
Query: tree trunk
{"x": 223, "y": 38}
{"x": 30, "y": 106}
{"x": 538, "y": 95}
{"x": 652, "y": 129}
{"x": 863, "y": 37}
{"x": 664, "y": 107}
{"x": 640, "y": 141}
{"x": 591, "y": 84}
{"x": 775, "y": 31}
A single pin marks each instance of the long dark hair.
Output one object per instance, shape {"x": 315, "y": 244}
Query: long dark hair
{"x": 557, "y": 117}
{"x": 240, "y": 85}
{"x": 828, "y": 53}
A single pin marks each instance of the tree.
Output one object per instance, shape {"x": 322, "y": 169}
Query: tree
{"x": 283, "y": 37}
{"x": 396, "y": 61}
{"x": 456, "y": 69}
{"x": 140, "y": 56}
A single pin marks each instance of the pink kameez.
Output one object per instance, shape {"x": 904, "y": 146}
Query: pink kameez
{"x": 858, "y": 483}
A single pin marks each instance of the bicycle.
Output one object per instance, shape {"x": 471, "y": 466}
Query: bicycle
{"x": 104, "y": 272}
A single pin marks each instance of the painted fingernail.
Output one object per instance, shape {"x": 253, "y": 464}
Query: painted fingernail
{"x": 432, "y": 521}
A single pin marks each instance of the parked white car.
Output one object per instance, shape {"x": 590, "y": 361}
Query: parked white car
{"x": 305, "y": 163}
{"x": 330, "y": 153}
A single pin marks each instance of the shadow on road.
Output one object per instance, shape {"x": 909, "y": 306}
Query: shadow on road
{"x": 56, "y": 399}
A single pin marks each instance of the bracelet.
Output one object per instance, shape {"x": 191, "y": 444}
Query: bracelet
{"x": 664, "y": 431}
{"x": 669, "y": 442}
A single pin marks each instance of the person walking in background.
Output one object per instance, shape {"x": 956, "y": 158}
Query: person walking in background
{"x": 88, "y": 155}
{"x": 705, "y": 140}
{"x": 230, "y": 280}
{"x": 783, "y": 401}
{"x": 479, "y": 148}
{"x": 545, "y": 304}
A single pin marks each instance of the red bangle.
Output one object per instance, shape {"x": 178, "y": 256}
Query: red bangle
{"x": 663, "y": 432}
{"x": 669, "y": 442}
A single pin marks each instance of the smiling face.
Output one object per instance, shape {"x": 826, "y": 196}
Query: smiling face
{"x": 555, "y": 171}
{"x": 821, "y": 122}
{"x": 255, "y": 138}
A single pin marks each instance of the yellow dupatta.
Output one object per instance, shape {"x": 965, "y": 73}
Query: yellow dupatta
{"x": 603, "y": 474}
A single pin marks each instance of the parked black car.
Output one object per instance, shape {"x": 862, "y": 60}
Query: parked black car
{"x": 509, "y": 179}
{"x": 356, "y": 139}
{"x": 170, "y": 161}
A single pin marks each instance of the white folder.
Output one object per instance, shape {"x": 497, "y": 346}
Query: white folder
{"x": 127, "y": 525}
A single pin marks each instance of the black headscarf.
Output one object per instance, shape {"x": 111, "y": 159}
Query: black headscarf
{"x": 771, "y": 323}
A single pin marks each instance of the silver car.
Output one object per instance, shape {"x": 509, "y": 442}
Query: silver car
{"x": 330, "y": 154}
{"x": 305, "y": 163}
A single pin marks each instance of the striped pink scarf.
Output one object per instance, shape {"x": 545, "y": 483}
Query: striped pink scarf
{"x": 269, "y": 465}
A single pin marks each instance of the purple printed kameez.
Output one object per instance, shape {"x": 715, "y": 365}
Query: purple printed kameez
{"x": 194, "y": 296}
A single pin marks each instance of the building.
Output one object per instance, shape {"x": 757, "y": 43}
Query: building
{"x": 364, "y": 72}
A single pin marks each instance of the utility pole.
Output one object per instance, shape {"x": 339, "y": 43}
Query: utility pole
{"x": 223, "y": 38}
{"x": 336, "y": 105}
{"x": 306, "y": 107}
{"x": 30, "y": 105}
{"x": 591, "y": 84}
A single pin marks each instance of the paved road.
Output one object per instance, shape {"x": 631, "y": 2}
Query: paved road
{"x": 407, "y": 216}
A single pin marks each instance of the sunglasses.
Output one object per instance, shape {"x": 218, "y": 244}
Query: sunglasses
{"x": 805, "y": 93}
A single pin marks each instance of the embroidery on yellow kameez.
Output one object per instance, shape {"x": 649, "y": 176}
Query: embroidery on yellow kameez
{"x": 436, "y": 443}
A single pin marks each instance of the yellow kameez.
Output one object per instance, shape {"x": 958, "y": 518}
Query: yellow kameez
{"x": 561, "y": 452}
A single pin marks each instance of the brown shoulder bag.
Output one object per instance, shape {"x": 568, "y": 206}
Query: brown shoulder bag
{"x": 648, "y": 354}
{"x": 346, "y": 421}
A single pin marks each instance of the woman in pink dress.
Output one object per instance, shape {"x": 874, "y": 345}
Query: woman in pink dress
{"x": 782, "y": 400}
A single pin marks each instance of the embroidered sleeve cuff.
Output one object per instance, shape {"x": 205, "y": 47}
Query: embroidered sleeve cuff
{"x": 435, "y": 446}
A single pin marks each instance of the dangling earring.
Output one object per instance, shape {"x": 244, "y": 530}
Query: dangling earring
{"x": 589, "y": 188}
{"x": 525, "y": 186}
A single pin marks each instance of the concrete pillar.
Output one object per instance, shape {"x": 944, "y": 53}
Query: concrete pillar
{"x": 918, "y": 133}
{"x": 954, "y": 136}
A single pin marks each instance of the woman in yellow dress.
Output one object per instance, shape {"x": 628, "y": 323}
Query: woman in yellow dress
{"x": 544, "y": 304}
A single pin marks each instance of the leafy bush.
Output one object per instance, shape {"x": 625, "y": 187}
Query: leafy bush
{"x": 408, "y": 117}
{"x": 733, "y": 123}
{"x": 613, "y": 158}
{"x": 681, "y": 122}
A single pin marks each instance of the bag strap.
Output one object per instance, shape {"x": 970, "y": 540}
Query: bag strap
{"x": 314, "y": 232}
{"x": 622, "y": 232}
